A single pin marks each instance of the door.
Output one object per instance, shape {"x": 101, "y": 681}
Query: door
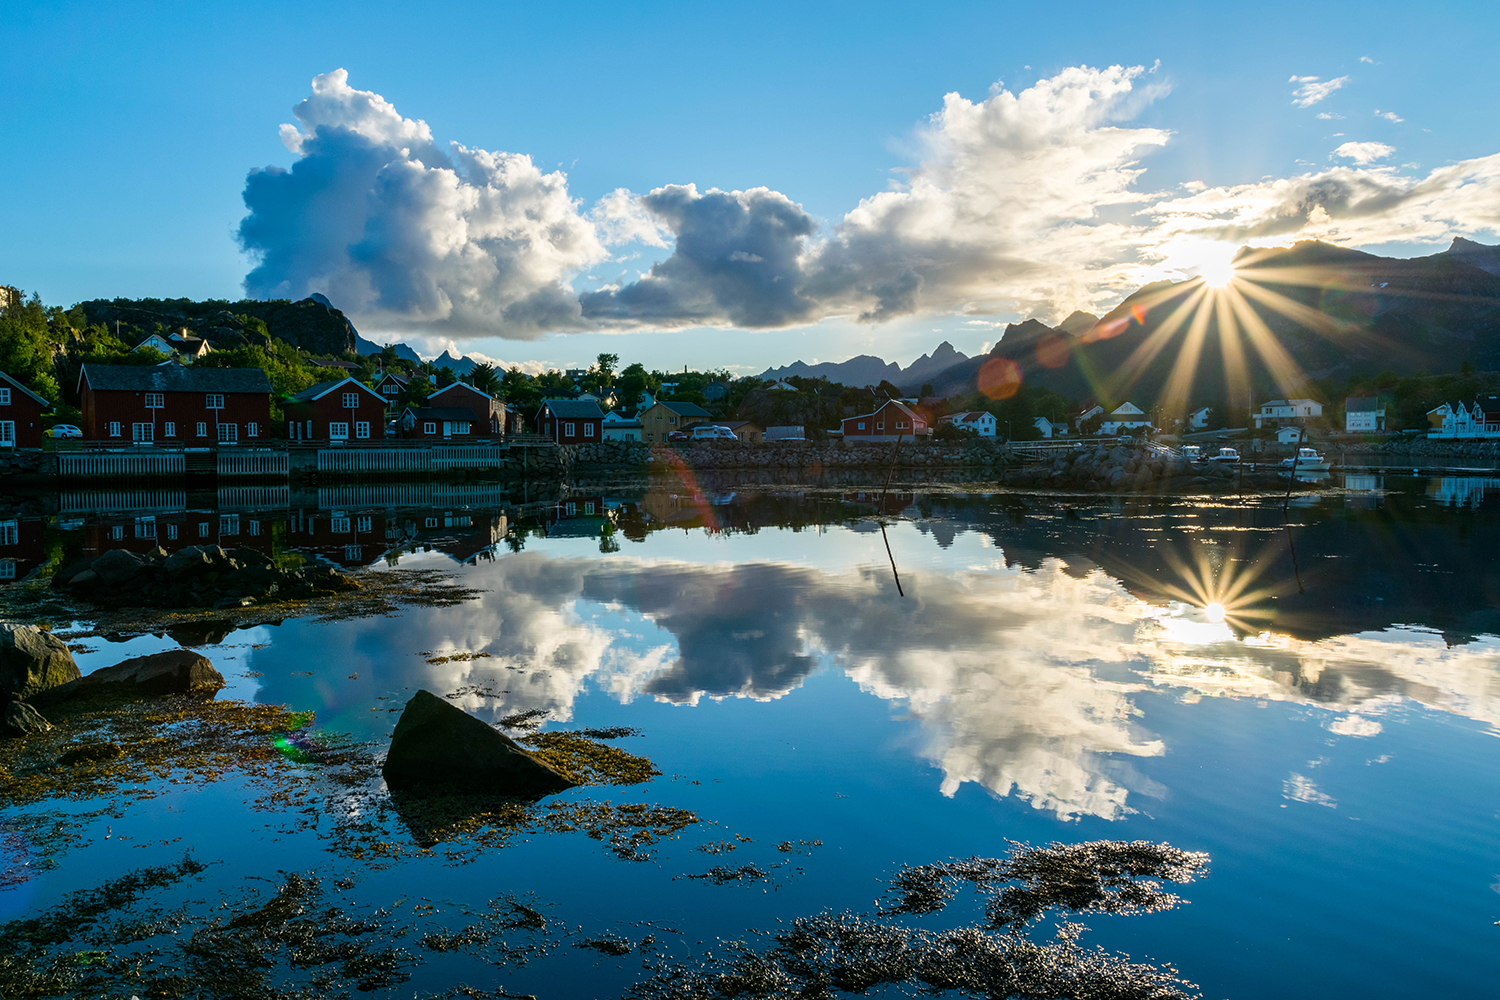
{"x": 143, "y": 433}
{"x": 7, "y": 433}
{"x": 338, "y": 430}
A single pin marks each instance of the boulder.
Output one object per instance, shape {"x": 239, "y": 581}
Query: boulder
{"x": 116, "y": 566}
{"x": 439, "y": 747}
{"x": 192, "y": 559}
{"x": 20, "y": 719}
{"x": 176, "y": 671}
{"x": 34, "y": 662}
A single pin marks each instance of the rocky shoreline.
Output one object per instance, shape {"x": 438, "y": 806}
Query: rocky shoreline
{"x": 202, "y": 576}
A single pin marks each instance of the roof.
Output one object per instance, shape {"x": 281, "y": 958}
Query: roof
{"x": 322, "y": 389}
{"x": 403, "y": 379}
{"x": 732, "y": 424}
{"x": 573, "y": 409}
{"x": 28, "y": 392}
{"x": 685, "y": 409}
{"x": 968, "y": 417}
{"x": 173, "y": 378}
{"x": 1362, "y": 404}
{"x": 460, "y": 385}
{"x": 346, "y": 365}
{"x": 896, "y": 403}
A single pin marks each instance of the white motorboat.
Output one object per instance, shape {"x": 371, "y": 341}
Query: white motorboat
{"x": 1226, "y": 455}
{"x": 1190, "y": 453}
{"x": 1307, "y": 460}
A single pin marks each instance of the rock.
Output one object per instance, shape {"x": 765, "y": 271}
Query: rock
{"x": 192, "y": 559}
{"x": 116, "y": 566}
{"x": 176, "y": 671}
{"x": 34, "y": 662}
{"x": 89, "y": 753}
{"x": 20, "y": 719}
{"x": 437, "y": 745}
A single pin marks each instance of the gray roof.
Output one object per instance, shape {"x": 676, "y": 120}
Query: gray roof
{"x": 574, "y": 409}
{"x": 28, "y": 392}
{"x": 459, "y": 385}
{"x": 440, "y": 413}
{"x": 686, "y": 409}
{"x": 1362, "y": 404}
{"x": 174, "y": 378}
{"x": 313, "y": 392}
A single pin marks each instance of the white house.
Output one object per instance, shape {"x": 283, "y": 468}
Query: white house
{"x": 979, "y": 421}
{"x": 619, "y": 428}
{"x": 1049, "y": 429}
{"x": 1455, "y": 420}
{"x": 783, "y": 386}
{"x": 1288, "y": 435}
{"x": 1364, "y": 413}
{"x": 1280, "y": 412}
{"x": 1198, "y": 419}
{"x": 1124, "y": 418}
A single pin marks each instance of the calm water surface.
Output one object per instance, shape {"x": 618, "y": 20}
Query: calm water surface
{"x": 1313, "y": 701}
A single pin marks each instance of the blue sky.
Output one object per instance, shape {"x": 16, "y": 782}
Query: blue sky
{"x": 130, "y": 131}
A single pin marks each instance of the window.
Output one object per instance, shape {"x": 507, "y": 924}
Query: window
{"x": 252, "y": 429}
{"x": 7, "y": 433}
{"x": 7, "y": 569}
{"x": 363, "y": 524}
{"x": 169, "y": 429}
{"x": 117, "y": 531}
{"x": 114, "y": 428}
{"x": 254, "y": 527}
{"x": 572, "y": 509}
{"x": 900, "y": 424}
{"x": 338, "y": 430}
{"x": 155, "y": 400}
{"x": 460, "y": 427}
{"x": 880, "y": 425}
{"x": 145, "y": 527}
{"x": 202, "y": 529}
{"x": 309, "y": 430}
{"x": 429, "y": 427}
{"x": 352, "y": 553}
{"x": 390, "y": 389}
{"x": 339, "y": 525}
{"x": 202, "y": 429}
{"x": 172, "y": 532}
{"x": 588, "y": 507}
{"x": 861, "y": 425}
{"x": 229, "y": 433}
{"x": 4, "y": 395}
{"x": 570, "y": 429}
{"x": 351, "y": 400}
{"x": 362, "y": 429}
{"x": 431, "y": 522}
{"x": 10, "y": 533}
{"x": 142, "y": 433}
{"x": 214, "y": 401}
{"x": 671, "y": 420}
{"x": 229, "y": 524}
{"x": 588, "y": 430}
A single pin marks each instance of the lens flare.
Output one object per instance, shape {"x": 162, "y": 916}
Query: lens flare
{"x": 1214, "y": 612}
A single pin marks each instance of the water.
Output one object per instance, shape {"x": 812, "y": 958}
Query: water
{"x": 1311, "y": 700}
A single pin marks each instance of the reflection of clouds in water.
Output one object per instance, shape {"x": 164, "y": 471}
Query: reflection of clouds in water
{"x": 1302, "y": 789}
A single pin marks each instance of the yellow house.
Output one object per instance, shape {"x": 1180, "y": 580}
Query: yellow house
{"x": 659, "y": 421}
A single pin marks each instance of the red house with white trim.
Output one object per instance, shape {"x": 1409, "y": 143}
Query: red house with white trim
{"x": 341, "y": 410}
{"x": 571, "y": 421}
{"x": 890, "y": 421}
{"x": 489, "y": 412}
{"x": 391, "y": 386}
{"x": 20, "y": 415}
{"x": 174, "y": 404}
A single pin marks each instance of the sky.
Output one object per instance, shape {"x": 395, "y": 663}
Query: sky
{"x": 725, "y": 187}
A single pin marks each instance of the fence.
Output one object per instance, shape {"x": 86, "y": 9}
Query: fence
{"x": 252, "y": 463}
{"x": 117, "y": 501}
{"x": 121, "y": 465}
{"x": 409, "y": 495}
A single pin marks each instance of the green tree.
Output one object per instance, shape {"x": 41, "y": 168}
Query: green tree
{"x": 483, "y": 378}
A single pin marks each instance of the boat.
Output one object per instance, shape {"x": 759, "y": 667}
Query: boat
{"x": 1190, "y": 453}
{"x": 1226, "y": 455}
{"x": 1307, "y": 460}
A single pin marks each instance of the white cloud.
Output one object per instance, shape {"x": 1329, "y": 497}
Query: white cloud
{"x": 1313, "y": 90}
{"x": 1367, "y": 59}
{"x": 1364, "y": 152}
{"x": 1330, "y": 116}
{"x": 1355, "y": 725}
{"x": 1389, "y": 116}
{"x": 1302, "y": 789}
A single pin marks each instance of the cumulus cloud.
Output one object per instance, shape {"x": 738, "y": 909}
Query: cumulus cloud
{"x": 1389, "y": 116}
{"x": 1364, "y": 152}
{"x": 401, "y": 232}
{"x": 1330, "y": 116}
{"x": 1027, "y": 202}
{"x": 1314, "y": 90}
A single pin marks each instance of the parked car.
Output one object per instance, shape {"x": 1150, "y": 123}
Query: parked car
{"x": 677, "y": 436}
{"x": 63, "y": 431}
{"x": 713, "y": 432}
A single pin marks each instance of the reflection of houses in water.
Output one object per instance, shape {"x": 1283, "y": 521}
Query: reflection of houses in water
{"x": 174, "y": 530}
{"x": 1363, "y": 490}
{"x": 1461, "y": 491}
{"x": 578, "y": 517}
{"x": 355, "y": 538}
{"x": 884, "y": 503}
{"x": 23, "y": 547}
{"x": 686, "y": 510}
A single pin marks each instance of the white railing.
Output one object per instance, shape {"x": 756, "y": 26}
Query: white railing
{"x": 115, "y": 465}
{"x": 409, "y": 495}
{"x": 254, "y": 497}
{"x": 252, "y": 463}
{"x": 110, "y": 501}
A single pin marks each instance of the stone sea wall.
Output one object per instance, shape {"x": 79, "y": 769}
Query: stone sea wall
{"x": 1421, "y": 448}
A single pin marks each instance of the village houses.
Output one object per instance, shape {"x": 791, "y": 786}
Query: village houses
{"x": 487, "y": 413}
{"x": 1364, "y": 414}
{"x": 1281, "y": 412}
{"x": 172, "y": 403}
{"x": 891, "y": 421}
{"x": 980, "y": 422}
{"x": 662, "y": 418}
{"x": 335, "y": 411}
{"x": 570, "y": 421}
{"x": 20, "y": 415}
{"x": 1481, "y": 419}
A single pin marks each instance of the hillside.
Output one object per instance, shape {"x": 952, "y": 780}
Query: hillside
{"x": 1333, "y": 312}
{"x": 310, "y": 324}
{"x": 866, "y": 369}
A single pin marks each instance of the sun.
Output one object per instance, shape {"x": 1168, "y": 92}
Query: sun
{"x": 1214, "y": 612}
{"x": 1216, "y": 265}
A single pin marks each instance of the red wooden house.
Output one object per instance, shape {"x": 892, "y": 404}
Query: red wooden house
{"x": 571, "y": 421}
{"x": 391, "y": 386}
{"x": 340, "y": 410}
{"x": 20, "y": 415}
{"x": 442, "y": 422}
{"x": 489, "y": 412}
{"x": 890, "y": 421}
{"x": 172, "y": 403}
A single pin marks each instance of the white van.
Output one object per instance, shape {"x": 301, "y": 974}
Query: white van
{"x": 713, "y": 432}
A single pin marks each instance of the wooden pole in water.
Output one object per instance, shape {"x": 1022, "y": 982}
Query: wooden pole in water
{"x": 1292, "y": 478}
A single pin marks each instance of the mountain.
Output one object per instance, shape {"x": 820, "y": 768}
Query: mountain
{"x": 460, "y": 366}
{"x": 368, "y": 347}
{"x": 310, "y": 323}
{"x": 1310, "y": 311}
{"x": 866, "y": 369}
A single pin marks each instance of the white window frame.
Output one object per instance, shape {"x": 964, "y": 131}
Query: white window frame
{"x": 10, "y": 532}
{"x": 229, "y": 433}
{"x": 7, "y": 569}
{"x": 363, "y": 523}
{"x": 362, "y": 429}
{"x": 202, "y": 529}
{"x": 114, "y": 428}
{"x": 429, "y": 427}
{"x": 351, "y": 400}
{"x": 169, "y": 429}
{"x": 4, "y": 395}
{"x": 861, "y": 425}
{"x": 213, "y": 401}
{"x": 460, "y": 427}
{"x": 252, "y": 429}
{"x": 229, "y": 524}
{"x": 339, "y": 525}
{"x": 155, "y": 400}
{"x": 570, "y": 429}
{"x": 202, "y": 429}
{"x": 338, "y": 430}
{"x": 588, "y": 429}
{"x": 172, "y": 532}
{"x": 142, "y": 433}
{"x": 7, "y": 433}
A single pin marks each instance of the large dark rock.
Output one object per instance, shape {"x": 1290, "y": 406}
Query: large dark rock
{"x": 196, "y": 576}
{"x": 20, "y": 719}
{"x": 438, "y": 747}
{"x": 34, "y": 663}
{"x": 175, "y": 671}
{"x": 116, "y": 566}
